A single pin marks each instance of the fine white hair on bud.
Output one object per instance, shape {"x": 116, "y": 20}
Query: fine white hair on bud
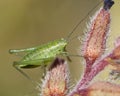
{"x": 95, "y": 40}
{"x": 56, "y": 80}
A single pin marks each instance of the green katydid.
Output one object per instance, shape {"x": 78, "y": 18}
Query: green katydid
{"x": 43, "y": 54}
{"x": 40, "y": 55}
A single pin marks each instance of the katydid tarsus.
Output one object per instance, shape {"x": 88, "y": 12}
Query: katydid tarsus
{"x": 46, "y": 53}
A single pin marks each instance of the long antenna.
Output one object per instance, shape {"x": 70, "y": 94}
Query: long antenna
{"x": 82, "y": 20}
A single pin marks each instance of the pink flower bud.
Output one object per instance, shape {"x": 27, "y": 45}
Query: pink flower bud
{"x": 96, "y": 36}
{"x": 56, "y": 79}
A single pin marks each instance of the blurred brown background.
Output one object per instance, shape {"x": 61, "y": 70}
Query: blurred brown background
{"x": 28, "y": 23}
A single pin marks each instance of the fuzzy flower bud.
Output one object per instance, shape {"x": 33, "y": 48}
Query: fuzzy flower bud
{"x": 56, "y": 79}
{"x": 96, "y": 36}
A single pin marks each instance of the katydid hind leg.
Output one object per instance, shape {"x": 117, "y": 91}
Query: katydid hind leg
{"x": 16, "y": 66}
{"x": 36, "y": 62}
{"x": 32, "y": 64}
{"x": 11, "y": 51}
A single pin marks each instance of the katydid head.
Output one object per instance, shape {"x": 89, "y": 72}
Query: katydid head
{"x": 62, "y": 43}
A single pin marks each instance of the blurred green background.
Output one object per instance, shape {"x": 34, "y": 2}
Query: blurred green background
{"x": 28, "y": 23}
